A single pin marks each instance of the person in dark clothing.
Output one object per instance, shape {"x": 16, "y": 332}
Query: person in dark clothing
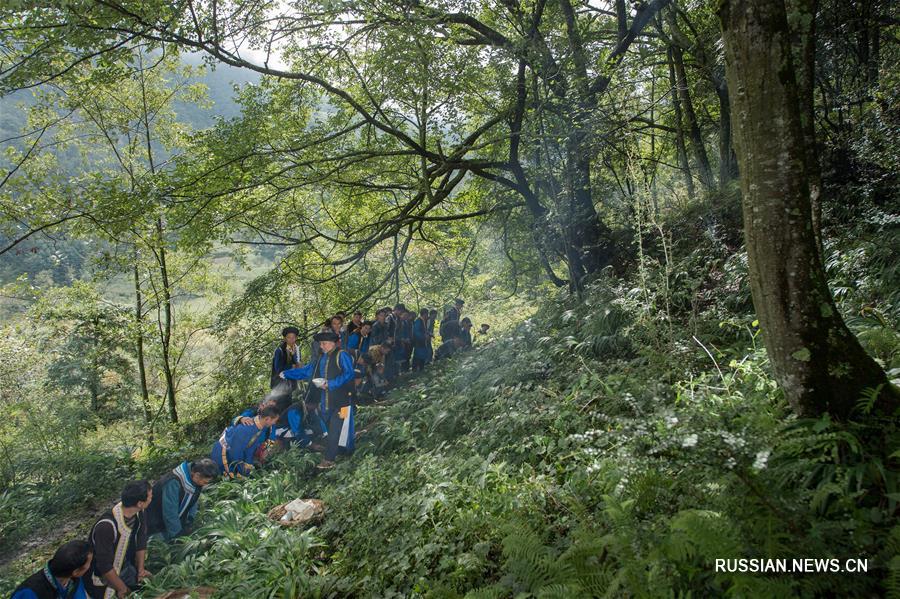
{"x": 379, "y": 333}
{"x": 450, "y": 326}
{"x": 119, "y": 544}
{"x": 421, "y": 341}
{"x": 448, "y": 348}
{"x": 60, "y": 578}
{"x": 175, "y": 498}
{"x": 355, "y": 322}
{"x": 287, "y": 355}
{"x": 395, "y": 359}
{"x": 359, "y": 340}
{"x": 337, "y": 327}
{"x": 405, "y": 340}
{"x": 393, "y": 321}
{"x": 465, "y": 332}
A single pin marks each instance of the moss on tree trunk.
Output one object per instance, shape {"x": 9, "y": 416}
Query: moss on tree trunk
{"x": 818, "y": 362}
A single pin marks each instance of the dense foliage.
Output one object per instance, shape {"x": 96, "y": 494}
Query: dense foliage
{"x": 679, "y": 216}
{"x": 569, "y": 458}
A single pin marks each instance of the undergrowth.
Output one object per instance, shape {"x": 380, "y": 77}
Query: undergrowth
{"x": 615, "y": 444}
{"x": 578, "y": 457}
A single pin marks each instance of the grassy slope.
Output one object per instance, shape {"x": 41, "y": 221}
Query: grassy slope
{"x": 580, "y": 456}
{"x": 90, "y": 463}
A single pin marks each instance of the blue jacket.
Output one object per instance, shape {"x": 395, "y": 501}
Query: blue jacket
{"x": 170, "y": 509}
{"x": 358, "y": 343}
{"x": 240, "y": 444}
{"x": 304, "y": 373}
{"x": 335, "y": 385}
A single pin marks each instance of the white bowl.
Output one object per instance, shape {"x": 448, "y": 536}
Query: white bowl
{"x": 319, "y": 382}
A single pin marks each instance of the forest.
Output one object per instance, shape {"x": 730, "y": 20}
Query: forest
{"x": 680, "y": 220}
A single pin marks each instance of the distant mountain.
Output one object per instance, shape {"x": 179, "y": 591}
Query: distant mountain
{"x": 220, "y": 82}
{"x": 59, "y": 261}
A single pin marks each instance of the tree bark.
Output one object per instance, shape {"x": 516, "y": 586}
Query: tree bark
{"x": 818, "y": 363}
{"x": 801, "y": 16}
{"x": 587, "y": 247}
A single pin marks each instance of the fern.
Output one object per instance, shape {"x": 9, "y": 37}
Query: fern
{"x": 703, "y": 534}
{"x": 867, "y": 399}
{"x": 892, "y": 581}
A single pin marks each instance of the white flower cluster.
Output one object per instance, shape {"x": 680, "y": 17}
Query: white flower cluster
{"x": 732, "y": 440}
{"x": 690, "y": 440}
{"x": 762, "y": 459}
{"x": 586, "y": 436}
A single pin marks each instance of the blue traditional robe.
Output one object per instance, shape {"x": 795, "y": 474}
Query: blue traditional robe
{"x": 235, "y": 449}
{"x": 421, "y": 341}
{"x": 251, "y": 413}
{"x": 404, "y": 341}
{"x": 345, "y": 378}
{"x": 305, "y": 373}
{"x": 175, "y": 501}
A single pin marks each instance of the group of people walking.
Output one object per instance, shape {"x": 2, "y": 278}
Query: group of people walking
{"x": 350, "y": 362}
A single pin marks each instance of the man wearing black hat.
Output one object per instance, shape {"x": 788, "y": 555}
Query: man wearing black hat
{"x": 287, "y": 355}
{"x": 333, "y": 373}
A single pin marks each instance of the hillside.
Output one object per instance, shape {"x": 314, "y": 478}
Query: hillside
{"x": 564, "y": 459}
{"x": 573, "y": 456}
{"x": 670, "y": 227}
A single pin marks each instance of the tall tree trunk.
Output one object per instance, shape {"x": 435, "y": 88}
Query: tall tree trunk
{"x": 801, "y": 16}
{"x": 817, "y": 361}
{"x": 680, "y": 149}
{"x": 166, "y": 328}
{"x": 727, "y": 160}
{"x": 167, "y": 323}
{"x": 874, "y": 45}
{"x": 695, "y": 136}
{"x": 587, "y": 237}
{"x": 139, "y": 342}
